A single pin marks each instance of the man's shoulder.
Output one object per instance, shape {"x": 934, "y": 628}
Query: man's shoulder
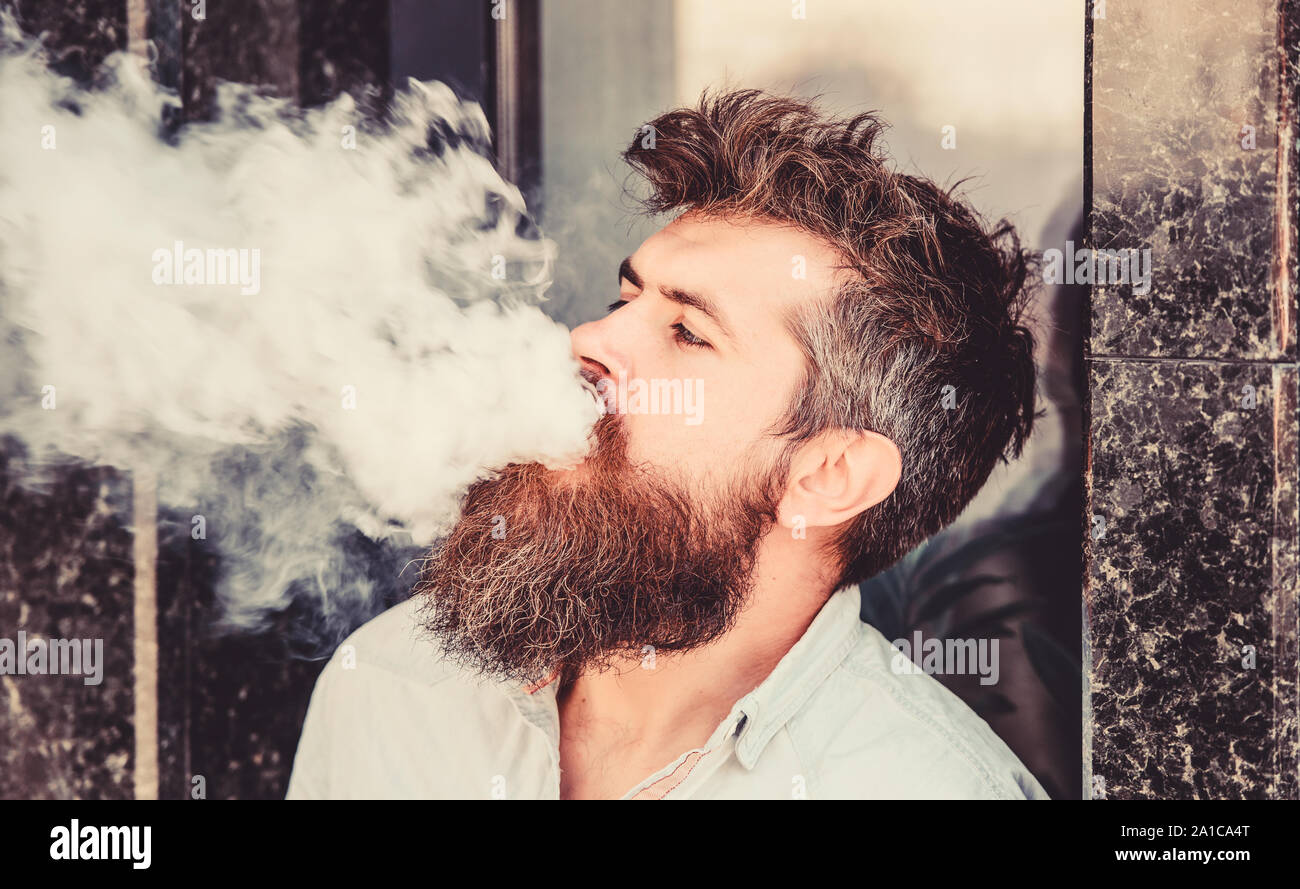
{"x": 391, "y": 674}
{"x": 395, "y": 643}
{"x": 389, "y": 712}
{"x": 895, "y": 732}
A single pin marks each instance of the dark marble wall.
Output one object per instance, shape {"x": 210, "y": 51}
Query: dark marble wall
{"x": 66, "y": 573}
{"x": 66, "y": 567}
{"x": 1191, "y": 583}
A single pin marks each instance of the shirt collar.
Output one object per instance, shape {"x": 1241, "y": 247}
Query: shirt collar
{"x": 827, "y": 641}
{"x": 824, "y": 645}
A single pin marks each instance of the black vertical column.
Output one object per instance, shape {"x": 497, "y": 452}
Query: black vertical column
{"x": 1191, "y": 583}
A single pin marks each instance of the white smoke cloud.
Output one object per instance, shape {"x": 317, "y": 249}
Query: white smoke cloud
{"x": 376, "y": 370}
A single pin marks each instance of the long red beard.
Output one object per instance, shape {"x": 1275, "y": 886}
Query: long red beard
{"x": 575, "y": 570}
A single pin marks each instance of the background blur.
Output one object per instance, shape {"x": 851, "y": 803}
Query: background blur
{"x": 566, "y": 84}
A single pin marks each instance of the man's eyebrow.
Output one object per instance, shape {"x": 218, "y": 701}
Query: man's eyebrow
{"x": 625, "y": 270}
{"x": 696, "y": 301}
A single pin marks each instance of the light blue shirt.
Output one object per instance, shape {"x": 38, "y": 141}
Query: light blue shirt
{"x": 389, "y": 718}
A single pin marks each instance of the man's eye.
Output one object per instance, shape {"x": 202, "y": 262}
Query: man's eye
{"x": 680, "y": 331}
{"x": 687, "y": 338}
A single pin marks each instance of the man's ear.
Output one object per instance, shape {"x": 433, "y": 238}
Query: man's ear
{"x": 838, "y": 475}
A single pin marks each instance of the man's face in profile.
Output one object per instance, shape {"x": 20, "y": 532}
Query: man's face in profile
{"x": 654, "y": 538}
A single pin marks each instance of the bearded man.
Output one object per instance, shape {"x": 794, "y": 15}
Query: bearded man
{"x": 678, "y": 616}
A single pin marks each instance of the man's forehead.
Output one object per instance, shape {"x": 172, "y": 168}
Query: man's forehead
{"x": 745, "y": 264}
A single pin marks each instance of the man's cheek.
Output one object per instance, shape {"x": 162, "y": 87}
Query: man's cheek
{"x": 685, "y": 450}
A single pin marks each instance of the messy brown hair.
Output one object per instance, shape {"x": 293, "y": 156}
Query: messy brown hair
{"x": 933, "y": 298}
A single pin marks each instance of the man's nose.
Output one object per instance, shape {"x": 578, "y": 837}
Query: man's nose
{"x": 598, "y": 355}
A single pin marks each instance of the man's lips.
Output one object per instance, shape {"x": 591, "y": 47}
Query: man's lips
{"x": 602, "y": 390}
